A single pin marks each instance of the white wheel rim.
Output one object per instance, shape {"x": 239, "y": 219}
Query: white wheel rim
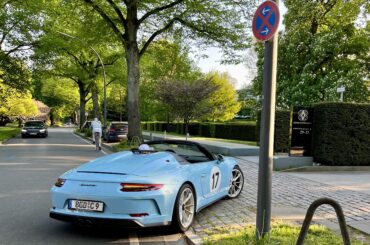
{"x": 236, "y": 183}
{"x": 186, "y": 207}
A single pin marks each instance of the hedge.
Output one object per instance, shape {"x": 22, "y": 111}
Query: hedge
{"x": 219, "y": 130}
{"x": 341, "y": 134}
{"x": 282, "y": 130}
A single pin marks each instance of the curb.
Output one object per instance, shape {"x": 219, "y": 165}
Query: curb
{"x": 107, "y": 147}
{"x": 192, "y": 237}
{"x": 327, "y": 169}
{"x": 4, "y": 142}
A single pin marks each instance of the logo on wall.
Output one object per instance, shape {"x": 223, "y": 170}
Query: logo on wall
{"x": 301, "y": 138}
{"x": 302, "y": 115}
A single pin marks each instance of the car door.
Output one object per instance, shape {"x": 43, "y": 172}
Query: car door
{"x": 214, "y": 179}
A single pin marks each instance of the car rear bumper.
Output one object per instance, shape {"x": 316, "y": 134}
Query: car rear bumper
{"x": 116, "y": 136}
{"x": 102, "y": 221}
{"x": 94, "y": 221}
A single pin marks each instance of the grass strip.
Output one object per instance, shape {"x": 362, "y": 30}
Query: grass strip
{"x": 281, "y": 233}
{"x": 8, "y": 132}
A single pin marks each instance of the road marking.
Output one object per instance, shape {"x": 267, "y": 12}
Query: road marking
{"x": 88, "y": 142}
{"x": 133, "y": 238}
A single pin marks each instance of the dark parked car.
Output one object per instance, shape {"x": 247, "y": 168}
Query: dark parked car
{"x": 116, "y": 131}
{"x": 34, "y": 128}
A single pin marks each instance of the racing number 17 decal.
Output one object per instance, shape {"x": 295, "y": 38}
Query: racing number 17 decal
{"x": 215, "y": 180}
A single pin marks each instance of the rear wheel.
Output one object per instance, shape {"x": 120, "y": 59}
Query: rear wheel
{"x": 236, "y": 182}
{"x": 184, "y": 209}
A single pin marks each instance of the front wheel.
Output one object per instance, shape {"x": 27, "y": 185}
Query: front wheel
{"x": 236, "y": 182}
{"x": 184, "y": 209}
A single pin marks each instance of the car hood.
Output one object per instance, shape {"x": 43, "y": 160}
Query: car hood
{"x": 128, "y": 163}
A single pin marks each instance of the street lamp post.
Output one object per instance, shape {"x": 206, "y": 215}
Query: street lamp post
{"x": 104, "y": 74}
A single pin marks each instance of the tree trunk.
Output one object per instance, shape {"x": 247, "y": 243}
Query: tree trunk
{"x": 133, "y": 73}
{"x": 132, "y": 54}
{"x": 95, "y": 100}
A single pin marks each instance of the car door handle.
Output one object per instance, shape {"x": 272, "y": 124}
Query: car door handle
{"x": 203, "y": 175}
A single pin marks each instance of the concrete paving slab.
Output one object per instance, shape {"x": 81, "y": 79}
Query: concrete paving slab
{"x": 351, "y": 180}
{"x": 363, "y": 226}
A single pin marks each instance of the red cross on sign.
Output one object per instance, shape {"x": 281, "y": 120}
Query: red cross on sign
{"x": 266, "y": 21}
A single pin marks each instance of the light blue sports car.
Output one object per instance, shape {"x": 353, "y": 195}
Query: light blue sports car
{"x": 167, "y": 183}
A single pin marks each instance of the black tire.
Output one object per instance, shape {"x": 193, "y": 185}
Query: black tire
{"x": 235, "y": 191}
{"x": 177, "y": 224}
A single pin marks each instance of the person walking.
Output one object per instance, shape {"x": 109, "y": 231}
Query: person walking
{"x": 96, "y": 132}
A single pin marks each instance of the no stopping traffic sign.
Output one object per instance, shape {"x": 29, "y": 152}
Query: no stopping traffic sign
{"x": 266, "y": 21}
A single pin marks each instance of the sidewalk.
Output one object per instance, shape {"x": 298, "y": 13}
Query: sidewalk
{"x": 221, "y": 147}
{"x": 291, "y": 196}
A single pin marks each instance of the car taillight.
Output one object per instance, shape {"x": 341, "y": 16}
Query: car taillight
{"x": 112, "y": 130}
{"x": 60, "y": 182}
{"x": 130, "y": 187}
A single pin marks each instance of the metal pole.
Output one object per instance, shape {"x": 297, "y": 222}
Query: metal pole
{"x": 104, "y": 74}
{"x": 341, "y": 97}
{"x": 267, "y": 138}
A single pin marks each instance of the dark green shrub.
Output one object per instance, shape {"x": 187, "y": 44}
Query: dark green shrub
{"x": 282, "y": 130}
{"x": 341, "y": 134}
{"x": 243, "y": 132}
{"x": 194, "y": 129}
{"x": 205, "y": 130}
{"x": 87, "y": 132}
{"x": 222, "y": 131}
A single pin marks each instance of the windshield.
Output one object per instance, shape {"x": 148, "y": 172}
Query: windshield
{"x": 34, "y": 124}
{"x": 191, "y": 153}
{"x": 118, "y": 126}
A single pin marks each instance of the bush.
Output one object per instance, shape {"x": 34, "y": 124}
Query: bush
{"x": 246, "y": 132}
{"x": 341, "y": 134}
{"x": 282, "y": 130}
{"x": 87, "y": 132}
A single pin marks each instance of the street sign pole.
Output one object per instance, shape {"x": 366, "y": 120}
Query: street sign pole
{"x": 267, "y": 138}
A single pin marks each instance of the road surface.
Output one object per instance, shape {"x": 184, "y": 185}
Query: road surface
{"x": 28, "y": 168}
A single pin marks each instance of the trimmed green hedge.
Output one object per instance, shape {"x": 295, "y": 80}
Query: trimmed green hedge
{"x": 341, "y": 134}
{"x": 218, "y": 130}
{"x": 282, "y": 130}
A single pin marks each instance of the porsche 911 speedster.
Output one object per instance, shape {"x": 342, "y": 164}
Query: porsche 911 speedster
{"x": 165, "y": 184}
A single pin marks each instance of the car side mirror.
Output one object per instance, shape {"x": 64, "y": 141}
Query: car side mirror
{"x": 220, "y": 157}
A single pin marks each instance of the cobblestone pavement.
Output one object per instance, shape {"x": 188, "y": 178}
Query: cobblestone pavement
{"x": 287, "y": 190}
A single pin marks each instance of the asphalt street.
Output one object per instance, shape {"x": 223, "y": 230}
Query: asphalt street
{"x": 28, "y": 169}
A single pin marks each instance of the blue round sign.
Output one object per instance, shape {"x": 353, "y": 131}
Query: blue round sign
{"x": 266, "y": 21}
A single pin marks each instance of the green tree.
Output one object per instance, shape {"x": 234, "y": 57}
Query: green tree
{"x": 223, "y": 102}
{"x": 321, "y": 49}
{"x": 163, "y": 60}
{"x": 116, "y": 100}
{"x": 136, "y": 24}
{"x": 15, "y": 104}
{"x": 19, "y": 30}
{"x": 61, "y": 95}
{"x": 72, "y": 57}
{"x": 187, "y": 100}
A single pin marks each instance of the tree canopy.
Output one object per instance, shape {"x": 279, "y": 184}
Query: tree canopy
{"x": 321, "y": 49}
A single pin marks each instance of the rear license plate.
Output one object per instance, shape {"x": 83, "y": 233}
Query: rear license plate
{"x": 86, "y": 205}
